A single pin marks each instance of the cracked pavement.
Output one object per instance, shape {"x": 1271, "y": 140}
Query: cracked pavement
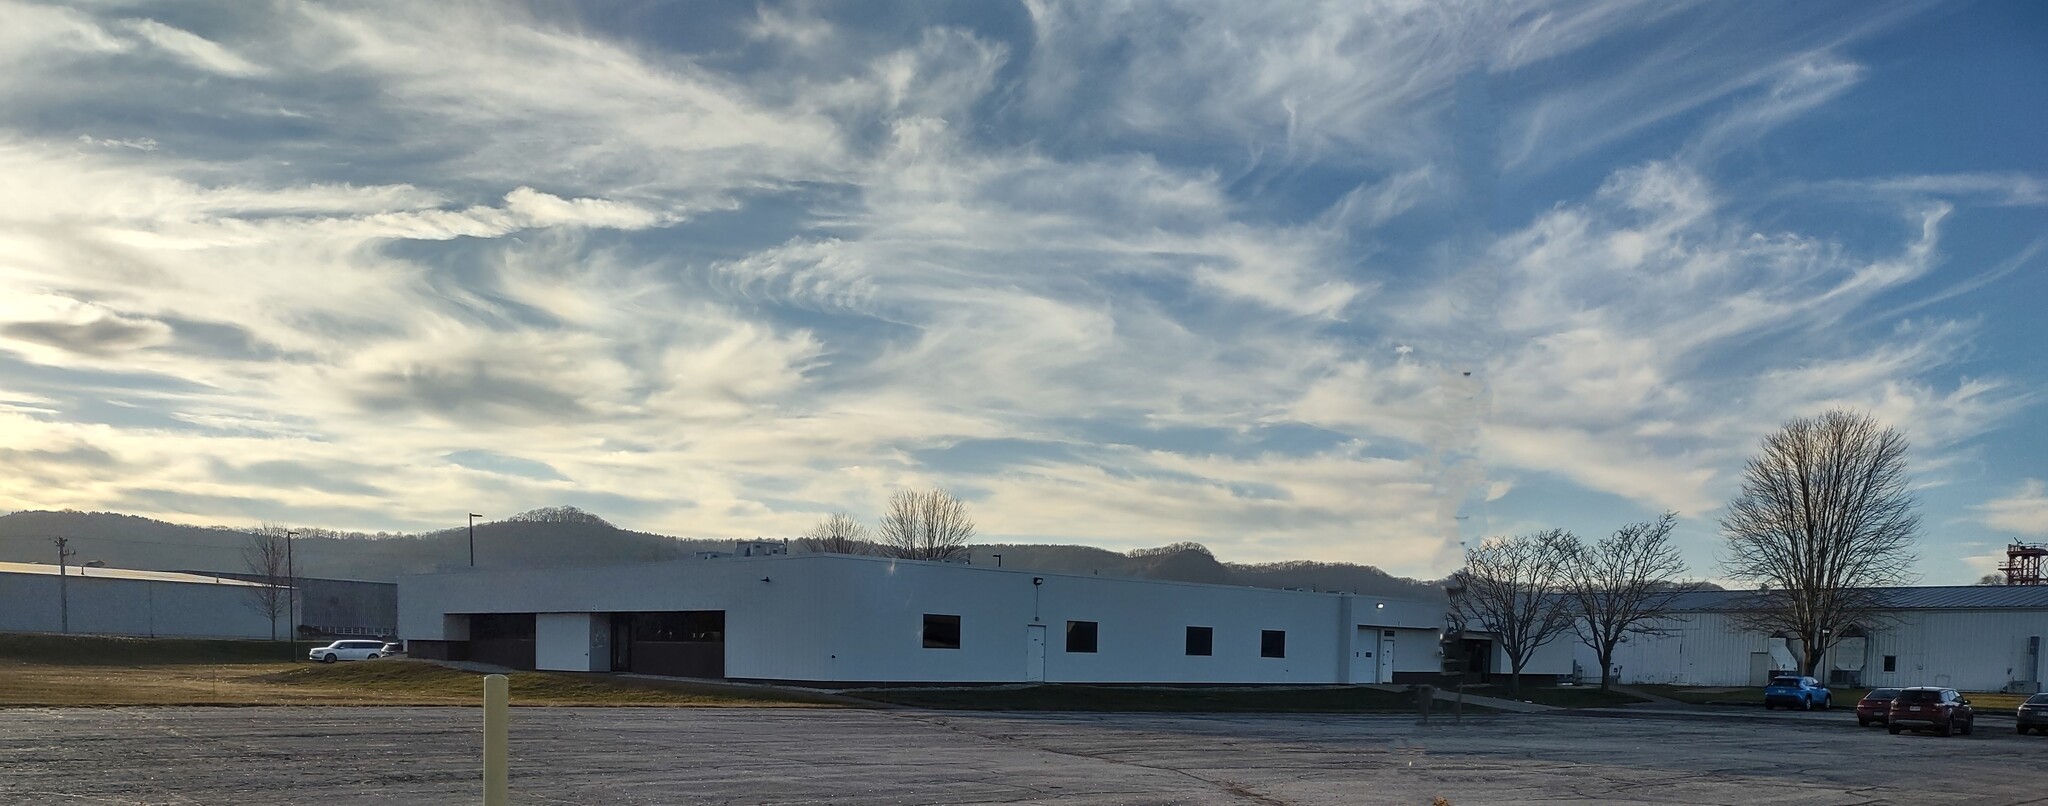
{"x": 811, "y": 756}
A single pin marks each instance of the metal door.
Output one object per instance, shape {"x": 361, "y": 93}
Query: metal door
{"x": 1386, "y": 656}
{"x": 1034, "y": 653}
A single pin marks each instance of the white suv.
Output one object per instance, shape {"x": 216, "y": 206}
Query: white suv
{"x": 347, "y": 650}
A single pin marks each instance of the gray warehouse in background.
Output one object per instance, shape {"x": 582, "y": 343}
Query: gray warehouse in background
{"x": 339, "y": 606}
{"x": 114, "y": 601}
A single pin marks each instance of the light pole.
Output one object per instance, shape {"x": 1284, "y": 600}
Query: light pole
{"x": 291, "y": 604}
{"x": 472, "y": 538}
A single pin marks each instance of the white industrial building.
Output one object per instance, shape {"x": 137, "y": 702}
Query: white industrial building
{"x": 823, "y": 618}
{"x": 36, "y": 597}
{"x": 1973, "y": 638}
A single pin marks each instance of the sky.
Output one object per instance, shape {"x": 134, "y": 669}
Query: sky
{"x": 1347, "y": 281}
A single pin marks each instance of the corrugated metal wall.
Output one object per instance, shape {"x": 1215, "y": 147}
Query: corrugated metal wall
{"x": 831, "y": 618}
{"x": 1975, "y": 650}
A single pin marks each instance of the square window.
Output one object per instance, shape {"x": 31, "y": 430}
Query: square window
{"x": 1891, "y": 663}
{"x": 1201, "y": 640}
{"x": 941, "y": 632}
{"x": 1080, "y": 636}
{"x": 1272, "y": 643}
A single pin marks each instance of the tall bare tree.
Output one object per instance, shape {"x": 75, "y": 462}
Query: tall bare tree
{"x": 1624, "y": 586}
{"x": 1512, "y": 587}
{"x": 838, "y": 533}
{"x": 925, "y": 525}
{"x": 265, "y": 556}
{"x": 1825, "y": 515}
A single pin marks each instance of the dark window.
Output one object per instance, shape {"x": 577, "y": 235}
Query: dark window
{"x": 501, "y": 626}
{"x": 1080, "y": 636}
{"x": 1272, "y": 643}
{"x": 1201, "y": 640}
{"x": 1891, "y": 663}
{"x": 685, "y": 626}
{"x": 941, "y": 632}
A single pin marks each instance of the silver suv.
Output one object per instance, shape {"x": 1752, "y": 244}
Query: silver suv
{"x": 347, "y": 650}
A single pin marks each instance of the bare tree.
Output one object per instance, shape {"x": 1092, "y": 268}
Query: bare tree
{"x": 1512, "y": 587}
{"x": 265, "y": 556}
{"x": 925, "y": 525}
{"x": 838, "y": 533}
{"x": 1624, "y": 586}
{"x": 1825, "y": 516}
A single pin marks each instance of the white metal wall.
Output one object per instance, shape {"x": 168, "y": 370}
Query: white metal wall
{"x": 1974, "y": 650}
{"x": 571, "y": 642}
{"x": 837, "y": 618}
{"x": 118, "y": 606}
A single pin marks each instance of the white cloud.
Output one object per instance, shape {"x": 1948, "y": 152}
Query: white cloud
{"x": 2002, "y": 189}
{"x": 139, "y": 144}
{"x": 2024, "y": 511}
{"x": 192, "y": 49}
{"x": 733, "y": 298}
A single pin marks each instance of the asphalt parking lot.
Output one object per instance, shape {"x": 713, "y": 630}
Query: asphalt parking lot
{"x": 796, "y": 756}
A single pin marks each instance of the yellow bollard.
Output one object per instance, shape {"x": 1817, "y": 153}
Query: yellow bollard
{"x": 495, "y": 736}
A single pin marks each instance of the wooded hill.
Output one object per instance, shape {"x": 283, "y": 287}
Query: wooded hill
{"x": 565, "y": 536}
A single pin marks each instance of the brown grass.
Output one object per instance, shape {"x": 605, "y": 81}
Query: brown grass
{"x": 379, "y": 682}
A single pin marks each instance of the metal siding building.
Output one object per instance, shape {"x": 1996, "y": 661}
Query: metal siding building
{"x": 338, "y": 606}
{"x": 113, "y": 601}
{"x": 1976, "y": 638}
{"x": 835, "y": 618}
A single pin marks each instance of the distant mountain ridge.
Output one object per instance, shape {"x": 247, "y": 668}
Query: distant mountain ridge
{"x": 567, "y": 536}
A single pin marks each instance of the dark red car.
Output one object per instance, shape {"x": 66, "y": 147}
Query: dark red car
{"x": 1875, "y": 706}
{"x": 1941, "y": 710}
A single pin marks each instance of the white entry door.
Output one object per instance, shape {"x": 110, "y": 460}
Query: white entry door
{"x": 1034, "y": 653}
{"x": 1386, "y": 658}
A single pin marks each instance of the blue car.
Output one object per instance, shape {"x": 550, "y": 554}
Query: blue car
{"x": 1803, "y": 693}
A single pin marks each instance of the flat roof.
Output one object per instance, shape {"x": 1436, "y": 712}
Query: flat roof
{"x": 1932, "y": 597}
{"x": 810, "y": 556}
{"x": 47, "y": 569}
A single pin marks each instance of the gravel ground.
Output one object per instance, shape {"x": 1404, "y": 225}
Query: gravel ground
{"x": 790, "y": 756}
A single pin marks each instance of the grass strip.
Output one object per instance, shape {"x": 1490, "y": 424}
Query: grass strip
{"x": 378, "y": 682}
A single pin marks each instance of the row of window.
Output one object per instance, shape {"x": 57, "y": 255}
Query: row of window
{"x": 943, "y": 632}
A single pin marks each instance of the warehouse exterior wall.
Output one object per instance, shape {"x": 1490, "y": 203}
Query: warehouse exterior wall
{"x": 830, "y": 618}
{"x": 116, "y": 606}
{"x": 1973, "y": 650}
{"x": 572, "y": 642}
{"x": 339, "y": 606}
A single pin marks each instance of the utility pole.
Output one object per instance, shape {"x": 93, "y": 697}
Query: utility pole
{"x": 64, "y": 553}
{"x": 291, "y": 605}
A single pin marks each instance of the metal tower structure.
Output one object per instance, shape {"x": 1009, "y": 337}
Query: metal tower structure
{"x": 2023, "y": 563}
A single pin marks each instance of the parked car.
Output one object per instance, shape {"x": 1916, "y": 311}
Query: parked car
{"x": 1941, "y": 710}
{"x": 347, "y": 650}
{"x": 1803, "y": 693}
{"x": 1877, "y": 706}
{"x": 393, "y": 649}
{"x": 2033, "y": 714}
